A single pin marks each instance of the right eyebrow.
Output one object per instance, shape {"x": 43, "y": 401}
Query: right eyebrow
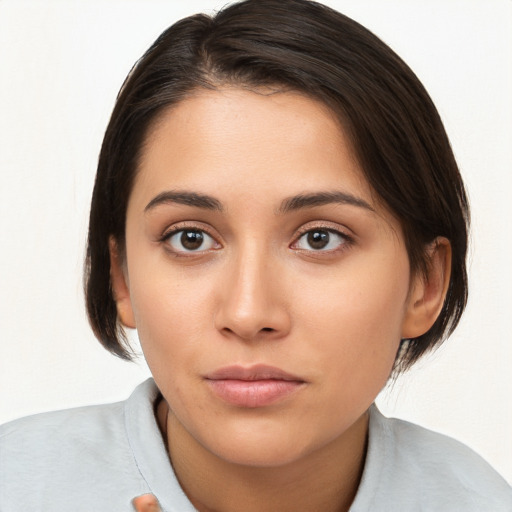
{"x": 187, "y": 198}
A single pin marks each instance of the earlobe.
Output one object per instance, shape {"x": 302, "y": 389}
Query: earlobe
{"x": 120, "y": 288}
{"x": 427, "y": 293}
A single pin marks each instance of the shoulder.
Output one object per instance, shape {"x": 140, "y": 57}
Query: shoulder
{"x": 61, "y": 446}
{"x": 425, "y": 470}
{"x": 75, "y": 449}
{"x": 42, "y": 433}
{"x": 65, "y": 418}
{"x": 89, "y": 424}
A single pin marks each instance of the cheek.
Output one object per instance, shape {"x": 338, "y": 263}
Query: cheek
{"x": 356, "y": 315}
{"x": 171, "y": 314}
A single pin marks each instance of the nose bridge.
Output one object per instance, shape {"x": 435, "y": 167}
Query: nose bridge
{"x": 250, "y": 280}
{"x": 251, "y": 302}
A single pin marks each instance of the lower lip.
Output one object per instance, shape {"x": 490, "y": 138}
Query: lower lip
{"x": 253, "y": 393}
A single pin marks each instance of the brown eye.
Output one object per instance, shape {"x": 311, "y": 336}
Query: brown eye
{"x": 318, "y": 239}
{"x": 321, "y": 240}
{"x": 190, "y": 240}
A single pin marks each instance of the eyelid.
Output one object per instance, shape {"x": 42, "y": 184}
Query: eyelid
{"x": 184, "y": 225}
{"x": 333, "y": 227}
{"x": 173, "y": 229}
{"x": 338, "y": 229}
{"x": 327, "y": 226}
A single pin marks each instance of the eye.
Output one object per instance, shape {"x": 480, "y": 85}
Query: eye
{"x": 190, "y": 240}
{"x": 320, "y": 240}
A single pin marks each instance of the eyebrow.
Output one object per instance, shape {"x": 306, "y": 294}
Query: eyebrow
{"x": 289, "y": 204}
{"x": 186, "y": 198}
{"x": 320, "y": 199}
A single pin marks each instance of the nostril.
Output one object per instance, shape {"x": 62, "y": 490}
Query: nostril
{"x": 267, "y": 329}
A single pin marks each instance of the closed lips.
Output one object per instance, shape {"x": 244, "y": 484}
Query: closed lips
{"x": 252, "y": 373}
{"x": 252, "y": 387}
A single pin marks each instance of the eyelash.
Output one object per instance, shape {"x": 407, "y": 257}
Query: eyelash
{"x": 184, "y": 228}
{"x": 345, "y": 240}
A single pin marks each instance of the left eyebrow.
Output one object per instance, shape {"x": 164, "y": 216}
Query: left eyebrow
{"x": 311, "y": 200}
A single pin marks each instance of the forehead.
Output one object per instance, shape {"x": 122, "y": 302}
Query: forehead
{"x": 255, "y": 141}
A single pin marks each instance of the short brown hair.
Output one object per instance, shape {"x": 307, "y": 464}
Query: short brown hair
{"x": 395, "y": 129}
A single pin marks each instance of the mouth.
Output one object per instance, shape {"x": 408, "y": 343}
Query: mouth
{"x": 253, "y": 386}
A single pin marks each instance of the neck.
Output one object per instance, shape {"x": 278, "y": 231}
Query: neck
{"x": 326, "y": 479}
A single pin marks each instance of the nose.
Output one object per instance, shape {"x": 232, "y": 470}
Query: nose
{"x": 253, "y": 302}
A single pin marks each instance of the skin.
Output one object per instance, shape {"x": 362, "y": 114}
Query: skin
{"x": 146, "y": 503}
{"x": 258, "y": 292}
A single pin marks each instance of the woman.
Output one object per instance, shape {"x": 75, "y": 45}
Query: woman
{"x": 278, "y": 212}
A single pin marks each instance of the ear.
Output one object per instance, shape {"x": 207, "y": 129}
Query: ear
{"x": 427, "y": 292}
{"x": 120, "y": 287}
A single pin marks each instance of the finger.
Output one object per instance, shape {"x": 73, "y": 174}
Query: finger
{"x": 146, "y": 503}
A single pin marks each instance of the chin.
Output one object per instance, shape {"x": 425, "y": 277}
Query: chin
{"x": 259, "y": 445}
{"x": 272, "y": 454}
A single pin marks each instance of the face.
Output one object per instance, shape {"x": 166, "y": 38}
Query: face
{"x": 268, "y": 287}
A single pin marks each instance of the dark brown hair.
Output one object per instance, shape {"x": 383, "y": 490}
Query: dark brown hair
{"x": 301, "y": 45}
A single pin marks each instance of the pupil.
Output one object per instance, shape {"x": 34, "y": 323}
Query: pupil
{"x": 318, "y": 239}
{"x": 192, "y": 239}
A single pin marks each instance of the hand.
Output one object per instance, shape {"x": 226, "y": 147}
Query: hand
{"x": 146, "y": 503}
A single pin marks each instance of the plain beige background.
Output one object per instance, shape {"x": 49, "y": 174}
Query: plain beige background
{"x": 61, "y": 65}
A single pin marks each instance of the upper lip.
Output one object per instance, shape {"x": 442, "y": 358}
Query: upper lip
{"x": 249, "y": 373}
